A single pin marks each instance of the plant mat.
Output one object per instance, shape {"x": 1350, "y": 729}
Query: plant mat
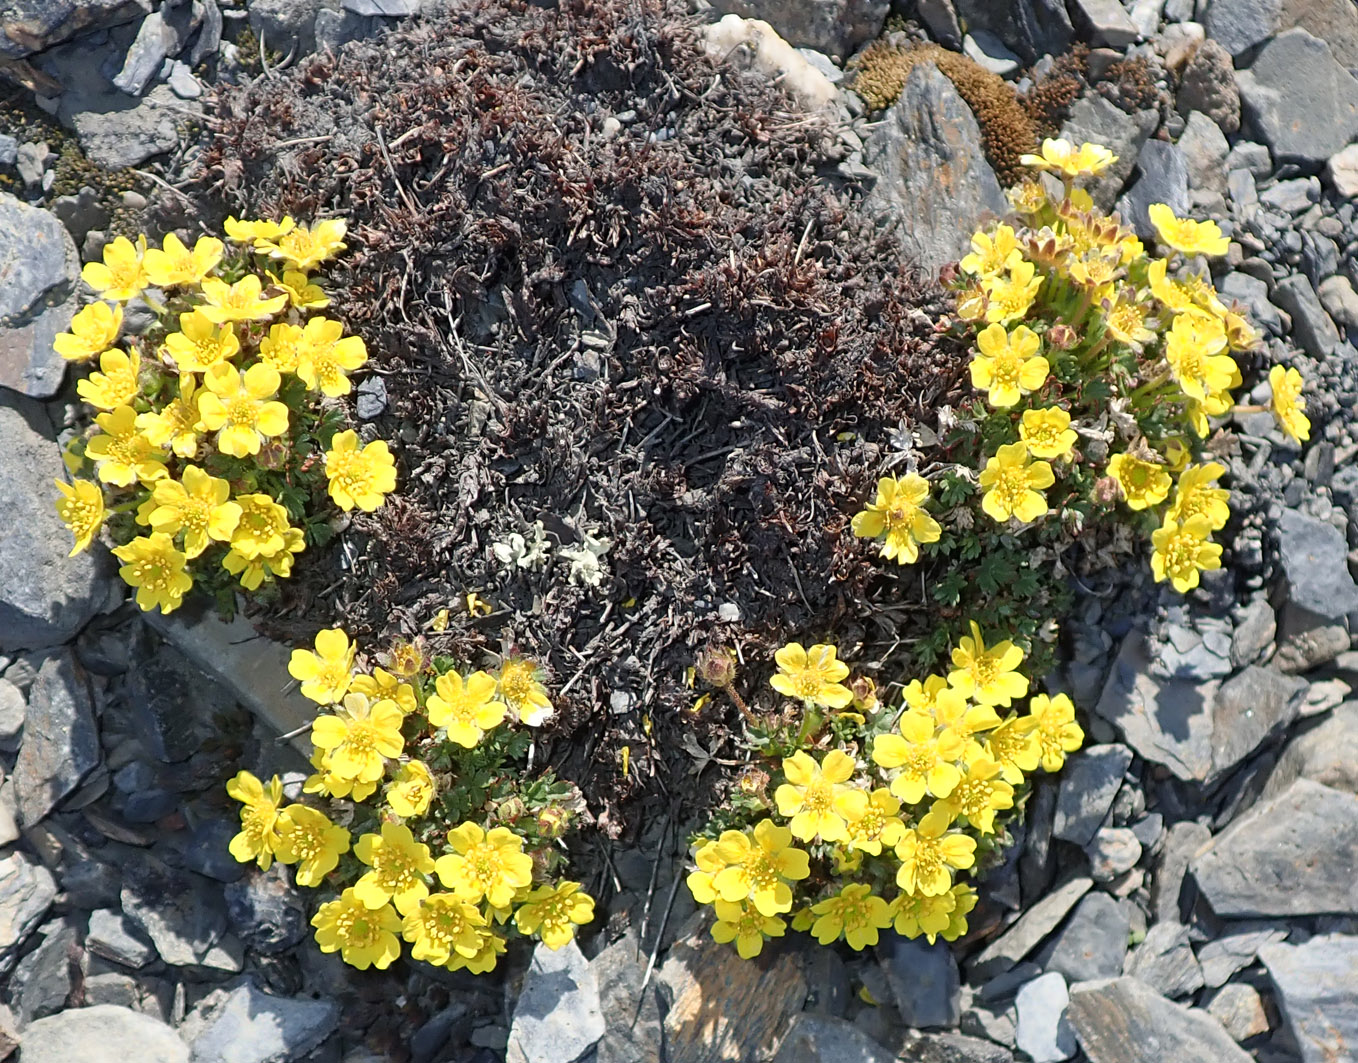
{"x": 607, "y": 286}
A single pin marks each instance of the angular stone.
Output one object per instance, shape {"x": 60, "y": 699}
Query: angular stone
{"x": 41, "y": 981}
{"x": 248, "y": 1025}
{"x": 112, "y": 936}
{"x": 156, "y": 41}
{"x": 920, "y": 1047}
{"x": 558, "y": 1016}
{"x": 1089, "y": 783}
{"x": 129, "y": 135}
{"x": 182, "y": 914}
{"x": 1307, "y": 641}
{"x": 1207, "y": 86}
{"x": 1164, "y": 960}
{"x": 39, "y": 270}
{"x": 631, "y": 1033}
{"x": 1235, "y": 949}
{"x": 1245, "y": 23}
{"x": 1114, "y": 851}
{"x": 1342, "y": 171}
{"x": 1336, "y": 293}
{"x": 1108, "y": 22}
{"x": 27, "y": 26}
{"x": 1311, "y": 326}
{"x": 813, "y": 1038}
{"x": 1163, "y": 178}
{"x": 1294, "y": 855}
{"x": 1030, "y": 28}
{"x": 1093, "y": 943}
{"x": 102, "y": 1034}
{"x": 174, "y": 705}
{"x": 1298, "y": 99}
{"x": 61, "y": 738}
{"x": 1098, "y": 120}
{"x": 1043, "y": 1030}
{"x": 1314, "y": 556}
{"x": 1247, "y": 709}
{"x": 1315, "y": 983}
{"x": 13, "y": 710}
{"x": 836, "y": 27}
{"x": 935, "y": 183}
{"x": 1126, "y": 1021}
{"x": 1204, "y": 149}
{"x": 923, "y": 978}
{"x": 1029, "y": 930}
{"x": 27, "y": 890}
{"x": 1327, "y": 755}
{"x": 747, "y": 42}
{"x": 1240, "y": 1011}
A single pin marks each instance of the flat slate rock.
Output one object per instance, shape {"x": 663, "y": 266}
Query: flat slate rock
{"x": 1043, "y": 1031}
{"x": 183, "y": 915}
{"x": 1328, "y": 755}
{"x": 557, "y": 1018}
{"x": 924, "y": 980}
{"x": 27, "y": 27}
{"x": 1164, "y": 960}
{"x": 1090, "y": 781}
{"x": 1295, "y": 855}
{"x": 27, "y": 891}
{"x": 248, "y": 1025}
{"x": 61, "y": 738}
{"x": 929, "y": 1047}
{"x": 814, "y": 1038}
{"x": 1029, "y": 930}
{"x": 1315, "y": 985}
{"x": 1299, "y": 99}
{"x": 1126, "y": 1021}
{"x": 1249, "y": 707}
{"x": 631, "y": 1033}
{"x": 104, "y": 1033}
{"x": 1314, "y": 555}
{"x": 1093, "y": 943}
{"x": 1235, "y": 948}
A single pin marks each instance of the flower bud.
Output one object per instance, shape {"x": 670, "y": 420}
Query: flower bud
{"x": 717, "y": 665}
{"x": 1062, "y": 337}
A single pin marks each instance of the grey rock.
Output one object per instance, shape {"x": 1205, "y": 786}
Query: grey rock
{"x": 813, "y": 1038}
{"x": 988, "y": 51}
{"x": 1164, "y": 960}
{"x": 248, "y": 1025}
{"x": 1240, "y": 187}
{"x": 9, "y": 150}
{"x": 32, "y": 27}
{"x": 183, "y": 915}
{"x": 102, "y": 1034}
{"x": 1249, "y": 22}
{"x": 1235, "y": 949}
{"x": 1328, "y": 754}
{"x": 1207, "y": 86}
{"x": 1292, "y": 196}
{"x": 1204, "y": 149}
{"x": 41, "y": 981}
{"x": 182, "y": 82}
{"x": 632, "y": 1033}
{"x": 1184, "y": 652}
{"x": 126, "y": 133}
{"x": 39, "y": 269}
{"x": 80, "y": 213}
{"x": 1093, "y": 943}
{"x": 1114, "y": 851}
{"x": 32, "y": 161}
{"x": 940, "y": 17}
{"x": 27, "y": 891}
{"x": 1095, "y": 119}
{"x": 1089, "y": 782}
{"x": 1247, "y": 709}
{"x": 1030, "y": 28}
{"x": 388, "y": 8}
{"x": 206, "y": 850}
{"x": 1341, "y": 170}
{"x": 1163, "y": 178}
{"x": 1311, "y": 326}
{"x": 558, "y": 1017}
{"x": 372, "y": 397}
{"x": 173, "y": 706}
{"x": 1314, "y": 556}
{"x": 924, "y": 979}
{"x": 112, "y": 936}
{"x": 1126, "y": 1021}
{"x": 1029, "y": 930}
{"x": 1148, "y": 831}
{"x": 922, "y": 1047}
{"x": 61, "y": 739}
{"x": 157, "y": 39}
{"x": 1306, "y": 641}
{"x": 1314, "y": 983}
{"x": 1251, "y": 156}
{"x": 1293, "y": 855}
{"x": 1340, "y": 300}
{"x": 13, "y": 709}
{"x": 1043, "y": 1030}
{"x": 1298, "y": 99}
{"x": 1145, "y": 15}
{"x": 1240, "y": 1010}
{"x": 90, "y": 883}
{"x": 1254, "y": 630}
{"x": 334, "y": 29}
{"x": 935, "y": 181}
{"x": 1238, "y": 25}
{"x": 266, "y": 912}
{"x": 285, "y": 24}
{"x": 1253, "y": 294}
{"x": 1108, "y": 22}
{"x": 836, "y": 27}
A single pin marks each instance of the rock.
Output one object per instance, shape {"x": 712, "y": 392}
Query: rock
{"x": 920, "y": 1047}
{"x": 557, "y": 1018}
{"x": 631, "y": 1034}
{"x": 90, "y": 883}
{"x": 1207, "y": 86}
{"x": 923, "y": 978}
{"x": 813, "y": 1038}
{"x": 285, "y": 24}
{"x": 1113, "y": 851}
{"x": 1314, "y": 557}
{"x": 1314, "y": 983}
{"x": 1098, "y": 120}
{"x": 1306, "y": 641}
{"x": 1327, "y": 755}
{"x": 9, "y": 150}
{"x": 1199, "y": 652}
{"x": 1337, "y": 295}
{"x": 1163, "y": 171}
{"x": 334, "y": 29}
{"x": 1166, "y": 722}
{"x": 114, "y": 938}
{"x": 1029, "y": 930}
{"x": 13, "y": 709}
{"x": 1235, "y": 949}
{"x": 756, "y": 45}
{"x": 102, "y": 1034}
{"x": 1299, "y": 100}
{"x": 1245, "y": 23}
{"x": 1164, "y": 961}
{"x": 1093, "y": 943}
{"x": 1255, "y": 627}
{"x": 1292, "y": 196}
{"x": 1240, "y": 1011}
{"x": 41, "y": 981}
{"x": 40, "y": 269}
{"x": 836, "y": 27}
{"x": 1108, "y": 22}
{"x": 182, "y": 914}
{"x": 1204, "y": 149}
{"x": 1341, "y": 170}
{"x": 1238, "y": 25}
{"x": 1290, "y": 856}
{"x": 118, "y": 137}
{"x": 1043, "y": 1030}
{"x": 173, "y": 706}
{"x": 1247, "y": 709}
{"x": 935, "y": 181}
{"x": 940, "y": 17}
{"x": 1253, "y": 293}
{"x": 385, "y": 8}
{"x": 1089, "y": 782}
{"x": 1030, "y": 28}
{"x": 206, "y": 850}
{"x": 61, "y": 739}
{"x": 157, "y": 40}
{"x": 27, "y": 27}
{"x": 372, "y": 398}
{"x": 1125, "y": 1021}
{"x": 988, "y": 51}
{"x": 248, "y": 1025}
{"x": 1311, "y": 326}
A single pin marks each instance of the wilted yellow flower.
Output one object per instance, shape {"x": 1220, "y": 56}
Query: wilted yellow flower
{"x": 303, "y": 248}
{"x": 174, "y": 263}
{"x": 925, "y": 758}
{"x": 120, "y": 276}
{"x": 93, "y": 331}
{"x": 1190, "y": 237}
{"x": 1014, "y": 483}
{"x": 1047, "y": 433}
{"x": 1195, "y": 495}
{"x": 325, "y": 357}
{"x": 310, "y": 840}
{"x": 262, "y": 528}
{"x": 1063, "y": 157}
{"x": 1008, "y": 365}
{"x": 359, "y": 737}
{"x": 759, "y": 868}
{"x": 1009, "y": 295}
{"x": 258, "y": 818}
{"x": 553, "y": 913}
{"x": 817, "y": 797}
{"x": 1289, "y": 408}
{"x": 240, "y": 407}
{"x": 176, "y": 424}
{"x": 979, "y": 794}
{"x": 992, "y": 254}
{"x": 326, "y": 673}
{"x": 519, "y": 685}
{"x": 302, "y": 293}
{"x": 466, "y": 710}
{"x": 929, "y": 852}
{"x": 899, "y": 518}
{"x": 443, "y": 926}
{"x": 199, "y": 344}
{"x": 485, "y": 864}
{"x": 116, "y": 385}
{"x": 746, "y": 926}
{"x": 1183, "y": 551}
{"x": 1056, "y": 731}
{"x": 361, "y": 477}
{"x": 988, "y": 675}
{"x": 250, "y": 231}
{"x": 155, "y": 568}
{"x": 198, "y": 506}
{"x": 240, "y": 301}
{"x": 1143, "y": 483}
{"x": 362, "y": 936}
{"x": 812, "y": 676}
{"x": 81, "y": 508}
{"x": 878, "y": 824}
{"x": 397, "y": 866}
{"x": 411, "y": 793}
{"x": 279, "y": 348}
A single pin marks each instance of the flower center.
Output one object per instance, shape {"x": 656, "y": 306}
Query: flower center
{"x": 817, "y": 797}
{"x": 808, "y": 684}
{"x": 152, "y": 573}
{"x": 243, "y": 411}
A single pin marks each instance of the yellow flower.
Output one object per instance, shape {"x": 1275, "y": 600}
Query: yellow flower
{"x": 1183, "y": 551}
{"x": 1289, "y": 408}
{"x": 1195, "y": 496}
{"x": 326, "y": 673}
{"x": 443, "y": 926}
{"x": 382, "y": 684}
{"x": 252, "y": 570}
{"x": 303, "y": 248}
{"x": 520, "y": 687}
{"x": 978, "y": 795}
{"x": 93, "y": 331}
{"x": 1047, "y": 433}
{"x": 324, "y": 358}
{"x": 1193, "y": 350}
{"x": 363, "y": 937}
{"x": 879, "y": 824}
{"x": 898, "y": 516}
{"x": 746, "y": 926}
{"x": 991, "y": 255}
{"x": 916, "y": 914}
{"x": 812, "y": 676}
{"x": 955, "y": 713}
{"x": 1190, "y": 237}
{"x": 198, "y": 506}
{"x": 816, "y": 797}
{"x": 1014, "y": 748}
{"x": 302, "y": 293}
{"x": 176, "y": 264}
{"x": 177, "y": 424}
{"x": 1014, "y": 485}
{"x": 491, "y": 865}
{"x": 1028, "y": 197}
{"x": 359, "y": 477}
{"x": 987, "y": 675}
{"x": 925, "y": 759}
{"x": 238, "y": 302}
{"x": 759, "y": 868}
{"x": 397, "y": 864}
{"x": 1063, "y": 157}
{"x": 702, "y": 883}
{"x": 359, "y": 737}
{"x": 326, "y": 782}
{"x": 280, "y": 347}
{"x": 553, "y": 913}
{"x": 1198, "y": 412}
{"x": 1126, "y": 322}
{"x": 928, "y": 853}
{"x": 413, "y": 790}
{"x": 924, "y": 696}
{"x": 467, "y": 710}
{"x": 1143, "y": 483}
{"x": 251, "y": 231}
{"x": 857, "y": 915}
{"x": 81, "y": 508}
{"x": 1169, "y": 291}
{"x": 117, "y": 385}
{"x": 241, "y": 409}
{"x": 965, "y": 899}
{"x": 120, "y": 276}
{"x": 492, "y": 948}
{"x": 199, "y": 344}
{"x": 308, "y": 839}
{"x": 1008, "y": 297}
{"x": 156, "y": 569}
{"x": 1056, "y": 731}
{"x": 258, "y": 836}
{"x": 262, "y": 528}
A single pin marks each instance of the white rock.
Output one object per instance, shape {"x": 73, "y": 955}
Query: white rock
{"x": 756, "y": 44}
